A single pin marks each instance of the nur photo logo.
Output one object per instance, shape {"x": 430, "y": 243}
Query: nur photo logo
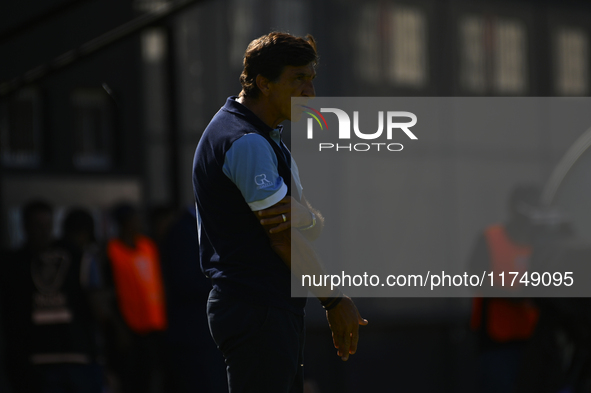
{"x": 395, "y": 121}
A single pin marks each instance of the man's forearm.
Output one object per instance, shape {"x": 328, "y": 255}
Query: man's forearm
{"x": 299, "y": 255}
{"x": 342, "y": 315}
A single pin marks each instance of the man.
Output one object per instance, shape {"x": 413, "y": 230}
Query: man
{"x": 17, "y": 287}
{"x": 241, "y": 166}
{"x": 51, "y": 325}
{"x": 135, "y": 267}
{"x": 504, "y": 325}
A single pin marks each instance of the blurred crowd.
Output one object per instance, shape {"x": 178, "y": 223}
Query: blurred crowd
{"x": 124, "y": 310}
{"x": 122, "y": 314}
{"x": 530, "y": 344}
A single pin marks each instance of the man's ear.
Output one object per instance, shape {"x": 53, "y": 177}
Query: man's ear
{"x": 263, "y": 84}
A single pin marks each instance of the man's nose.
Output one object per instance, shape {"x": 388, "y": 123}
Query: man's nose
{"x": 309, "y": 90}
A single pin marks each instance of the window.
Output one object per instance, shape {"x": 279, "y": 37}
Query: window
{"x": 571, "y": 60}
{"x": 407, "y": 51}
{"x": 509, "y": 57}
{"x": 20, "y": 129}
{"x": 368, "y": 42}
{"x": 392, "y": 45}
{"x": 493, "y": 56}
{"x": 472, "y": 35}
{"x": 93, "y": 129}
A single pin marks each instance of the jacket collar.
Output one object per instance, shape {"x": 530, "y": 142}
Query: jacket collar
{"x": 237, "y": 108}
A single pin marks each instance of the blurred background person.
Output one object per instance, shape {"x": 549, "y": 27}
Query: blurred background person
{"x": 193, "y": 362}
{"x": 78, "y": 229}
{"x": 16, "y": 287}
{"x": 558, "y": 354}
{"x": 51, "y": 331}
{"x": 503, "y": 325}
{"x": 135, "y": 265}
{"x": 161, "y": 219}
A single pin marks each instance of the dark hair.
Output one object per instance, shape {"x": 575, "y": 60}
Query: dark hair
{"x": 269, "y": 54}
{"x": 78, "y": 220}
{"x": 35, "y": 206}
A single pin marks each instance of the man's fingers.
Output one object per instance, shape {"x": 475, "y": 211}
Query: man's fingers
{"x": 362, "y": 321}
{"x": 274, "y": 211}
{"x": 289, "y": 208}
{"x": 283, "y": 224}
{"x": 338, "y": 344}
{"x": 354, "y": 341}
{"x": 278, "y": 219}
{"x": 344, "y": 321}
{"x": 283, "y": 206}
{"x": 344, "y": 349}
{"x": 280, "y": 227}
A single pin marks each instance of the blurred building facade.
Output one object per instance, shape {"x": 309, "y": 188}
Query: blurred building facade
{"x": 123, "y": 123}
{"x": 74, "y": 137}
{"x": 127, "y": 118}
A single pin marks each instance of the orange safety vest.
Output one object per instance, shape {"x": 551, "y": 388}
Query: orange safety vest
{"x": 138, "y": 280}
{"x": 507, "y": 320}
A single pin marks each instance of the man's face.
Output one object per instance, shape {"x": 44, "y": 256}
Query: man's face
{"x": 293, "y": 82}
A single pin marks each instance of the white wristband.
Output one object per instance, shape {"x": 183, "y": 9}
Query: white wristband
{"x": 312, "y": 225}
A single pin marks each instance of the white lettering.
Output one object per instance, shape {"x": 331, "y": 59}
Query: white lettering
{"x": 344, "y": 122}
{"x": 403, "y": 126}
{"x": 397, "y": 144}
{"x": 310, "y": 128}
{"x": 360, "y": 146}
{"x": 368, "y": 136}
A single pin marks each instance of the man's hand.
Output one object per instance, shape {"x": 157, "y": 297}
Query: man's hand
{"x": 344, "y": 321}
{"x": 296, "y": 215}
